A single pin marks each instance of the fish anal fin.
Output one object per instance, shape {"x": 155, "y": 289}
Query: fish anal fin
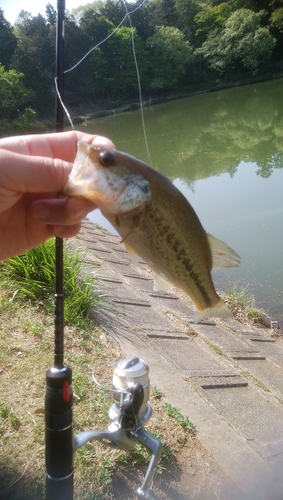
{"x": 222, "y": 254}
{"x": 133, "y": 256}
{"x": 160, "y": 283}
{"x": 218, "y": 311}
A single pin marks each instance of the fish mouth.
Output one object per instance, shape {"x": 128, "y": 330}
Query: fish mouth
{"x": 84, "y": 187}
{"x": 112, "y": 187}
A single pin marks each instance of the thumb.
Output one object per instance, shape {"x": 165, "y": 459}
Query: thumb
{"x": 32, "y": 174}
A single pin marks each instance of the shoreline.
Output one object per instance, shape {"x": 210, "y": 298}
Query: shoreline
{"x": 262, "y": 320}
{"x": 152, "y": 101}
{"x": 78, "y": 117}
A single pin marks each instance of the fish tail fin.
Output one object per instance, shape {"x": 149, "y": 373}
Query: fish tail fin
{"x": 218, "y": 311}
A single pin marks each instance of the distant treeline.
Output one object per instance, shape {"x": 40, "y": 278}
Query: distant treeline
{"x": 179, "y": 45}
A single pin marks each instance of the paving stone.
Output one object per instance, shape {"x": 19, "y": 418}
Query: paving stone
{"x": 210, "y": 373}
{"x": 272, "y": 449}
{"x": 254, "y": 415}
{"x": 274, "y": 350}
{"x": 255, "y": 338}
{"x": 167, "y": 335}
{"x": 119, "y": 266}
{"x": 137, "y": 277}
{"x": 118, "y": 249}
{"x": 162, "y": 295}
{"x": 190, "y": 356}
{"x": 225, "y": 339}
{"x": 238, "y": 422}
{"x": 222, "y": 382}
{"x": 268, "y": 374}
{"x": 260, "y": 338}
{"x": 97, "y": 248}
{"x": 132, "y": 302}
{"x": 144, "y": 285}
{"x": 241, "y": 354}
{"x": 182, "y": 309}
{"x": 110, "y": 280}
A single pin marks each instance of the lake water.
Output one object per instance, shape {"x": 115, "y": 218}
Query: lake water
{"x": 224, "y": 151}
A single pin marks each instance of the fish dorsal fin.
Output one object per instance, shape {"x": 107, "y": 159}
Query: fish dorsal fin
{"x": 134, "y": 257}
{"x": 160, "y": 283}
{"x": 222, "y": 254}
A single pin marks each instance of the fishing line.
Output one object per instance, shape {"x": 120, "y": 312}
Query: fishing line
{"x": 62, "y": 104}
{"x": 138, "y": 78}
{"x": 105, "y": 39}
{"x": 104, "y": 387}
{"x": 127, "y": 15}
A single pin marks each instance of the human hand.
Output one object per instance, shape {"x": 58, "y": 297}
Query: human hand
{"x": 33, "y": 172}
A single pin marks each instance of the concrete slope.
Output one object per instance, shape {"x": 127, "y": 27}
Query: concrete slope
{"x": 225, "y": 376}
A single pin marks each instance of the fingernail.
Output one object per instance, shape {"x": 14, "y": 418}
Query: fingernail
{"x": 99, "y": 139}
{"x": 41, "y": 212}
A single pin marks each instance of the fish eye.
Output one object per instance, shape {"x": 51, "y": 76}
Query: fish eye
{"x": 106, "y": 158}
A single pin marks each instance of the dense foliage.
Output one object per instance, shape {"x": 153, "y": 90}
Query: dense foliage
{"x": 178, "y": 44}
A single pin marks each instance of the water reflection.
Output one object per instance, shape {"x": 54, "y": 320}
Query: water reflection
{"x": 224, "y": 150}
{"x": 214, "y": 133}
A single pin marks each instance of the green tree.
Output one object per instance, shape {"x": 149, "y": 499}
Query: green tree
{"x": 211, "y": 19}
{"x": 95, "y": 26}
{"x": 141, "y": 18}
{"x": 35, "y": 58}
{"x": 14, "y": 96}
{"x": 94, "y": 85}
{"x": 8, "y": 41}
{"x": 50, "y": 14}
{"x": 78, "y": 12}
{"x": 186, "y": 12}
{"x": 276, "y": 19}
{"x": 77, "y": 43}
{"x": 172, "y": 58}
{"x": 276, "y": 28}
{"x": 163, "y": 13}
{"x": 122, "y": 77}
{"x": 114, "y": 10}
{"x": 242, "y": 44}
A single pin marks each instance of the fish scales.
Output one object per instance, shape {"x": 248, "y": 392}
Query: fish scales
{"x": 156, "y": 223}
{"x": 166, "y": 232}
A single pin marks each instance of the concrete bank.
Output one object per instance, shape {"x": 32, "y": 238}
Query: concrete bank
{"x": 225, "y": 376}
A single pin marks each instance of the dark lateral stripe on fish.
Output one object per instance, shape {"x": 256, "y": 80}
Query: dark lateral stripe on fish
{"x": 189, "y": 267}
{"x": 181, "y": 254}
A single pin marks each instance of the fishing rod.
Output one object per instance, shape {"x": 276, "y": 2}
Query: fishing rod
{"x": 130, "y": 385}
{"x": 58, "y": 391}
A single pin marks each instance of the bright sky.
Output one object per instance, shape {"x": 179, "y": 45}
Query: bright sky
{"x": 13, "y": 7}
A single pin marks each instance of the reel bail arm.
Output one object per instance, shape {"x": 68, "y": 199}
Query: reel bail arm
{"x": 125, "y": 430}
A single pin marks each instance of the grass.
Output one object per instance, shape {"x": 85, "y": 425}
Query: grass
{"x": 26, "y": 352}
{"x": 174, "y": 413}
{"x": 216, "y": 348}
{"x": 242, "y": 304}
{"x": 31, "y": 277}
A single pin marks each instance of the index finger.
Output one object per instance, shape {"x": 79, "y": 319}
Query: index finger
{"x": 61, "y": 145}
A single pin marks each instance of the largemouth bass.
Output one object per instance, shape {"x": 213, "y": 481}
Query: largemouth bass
{"x": 156, "y": 223}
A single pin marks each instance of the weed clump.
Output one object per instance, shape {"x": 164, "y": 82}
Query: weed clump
{"x": 242, "y": 304}
{"x": 31, "y": 277}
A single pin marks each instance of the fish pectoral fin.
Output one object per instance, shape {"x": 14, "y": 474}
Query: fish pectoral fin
{"x": 160, "y": 283}
{"x": 133, "y": 256}
{"x": 218, "y": 311}
{"x": 222, "y": 254}
{"x": 135, "y": 225}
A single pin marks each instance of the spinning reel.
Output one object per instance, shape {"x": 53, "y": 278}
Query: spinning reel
{"x": 130, "y": 409}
